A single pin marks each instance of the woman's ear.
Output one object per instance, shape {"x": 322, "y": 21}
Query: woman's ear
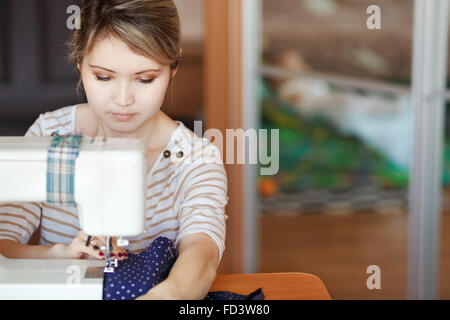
{"x": 174, "y": 71}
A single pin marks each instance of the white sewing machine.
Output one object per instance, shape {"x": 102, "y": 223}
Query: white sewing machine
{"x": 110, "y": 195}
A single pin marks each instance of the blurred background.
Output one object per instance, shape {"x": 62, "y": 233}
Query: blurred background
{"x": 338, "y": 93}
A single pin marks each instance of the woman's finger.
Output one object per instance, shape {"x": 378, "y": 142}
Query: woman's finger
{"x": 97, "y": 242}
{"x": 94, "y": 253}
{"x": 97, "y": 246}
{"x": 122, "y": 253}
{"x": 94, "y": 250}
{"x": 117, "y": 252}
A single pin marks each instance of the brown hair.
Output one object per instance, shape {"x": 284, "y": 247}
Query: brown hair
{"x": 150, "y": 28}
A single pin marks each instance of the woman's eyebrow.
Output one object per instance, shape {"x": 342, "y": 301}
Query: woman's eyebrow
{"x": 137, "y": 73}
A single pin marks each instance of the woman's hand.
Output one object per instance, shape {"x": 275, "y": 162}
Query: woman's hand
{"x": 77, "y": 249}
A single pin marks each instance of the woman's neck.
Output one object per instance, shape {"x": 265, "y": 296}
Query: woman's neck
{"x": 155, "y": 133}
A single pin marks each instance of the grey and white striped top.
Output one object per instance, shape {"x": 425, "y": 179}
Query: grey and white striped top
{"x": 185, "y": 195}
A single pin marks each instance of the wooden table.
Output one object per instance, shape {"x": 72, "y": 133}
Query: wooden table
{"x": 275, "y": 286}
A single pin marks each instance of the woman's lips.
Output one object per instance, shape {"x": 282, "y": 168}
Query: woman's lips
{"x": 123, "y": 117}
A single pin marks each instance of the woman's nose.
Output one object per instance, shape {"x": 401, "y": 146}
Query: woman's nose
{"x": 124, "y": 94}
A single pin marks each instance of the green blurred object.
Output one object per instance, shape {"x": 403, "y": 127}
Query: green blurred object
{"x": 315, "y": 155}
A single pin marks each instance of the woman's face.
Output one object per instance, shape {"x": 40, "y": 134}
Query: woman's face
{"x": 119, "y": 81}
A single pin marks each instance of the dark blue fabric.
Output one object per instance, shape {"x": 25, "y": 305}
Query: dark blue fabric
{"x": 140, "y": 272}
{"x": 225, "y": 295}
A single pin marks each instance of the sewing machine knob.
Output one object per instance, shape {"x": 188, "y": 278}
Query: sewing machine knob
{"x": 122, "y": 242}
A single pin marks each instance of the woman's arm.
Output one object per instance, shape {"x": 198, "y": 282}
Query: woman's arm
{"x": 193, "y": 273}
{"x": 14, "y": 250}
{"x": 77, "y": 249}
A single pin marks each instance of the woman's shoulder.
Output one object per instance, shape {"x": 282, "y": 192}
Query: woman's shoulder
{"x": 60, "y": 120}
{"x": 197, "y": 147}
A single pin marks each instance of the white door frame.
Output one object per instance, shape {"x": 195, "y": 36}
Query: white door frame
{"x": 428, "y": 88}
{"x": 251, "y": 56}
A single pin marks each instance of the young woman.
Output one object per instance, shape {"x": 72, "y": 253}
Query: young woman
{"x": 127, "y": 53}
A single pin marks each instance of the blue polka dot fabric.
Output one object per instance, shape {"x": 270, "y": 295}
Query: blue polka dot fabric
{"x": 140, "y": 272}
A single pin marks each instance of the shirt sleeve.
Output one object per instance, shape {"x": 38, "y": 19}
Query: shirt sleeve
{"x": 203, "y": 204}
{"x": 36, "y": 129}
{"x": 18, "y": 221}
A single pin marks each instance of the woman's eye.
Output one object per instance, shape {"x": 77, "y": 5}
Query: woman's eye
{"x": 146, "y": 80}
{"x": 103, "y": 78}
{"x": 140, "y": 80}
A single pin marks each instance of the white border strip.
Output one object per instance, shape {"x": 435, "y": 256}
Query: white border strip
{"x": 429, "y": 77}
{"x": 251, "y": 54}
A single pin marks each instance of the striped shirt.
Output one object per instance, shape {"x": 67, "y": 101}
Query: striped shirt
{"x": 186, "y": 194}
